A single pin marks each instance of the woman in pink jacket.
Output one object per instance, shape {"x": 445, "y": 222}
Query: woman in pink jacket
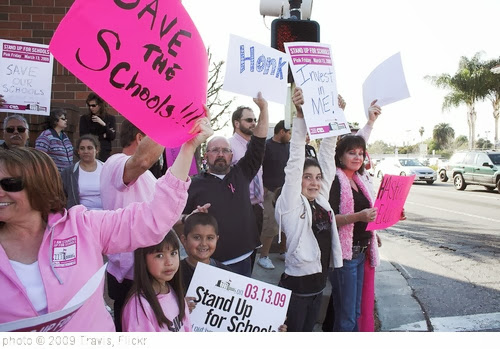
{"x": 48, "y": 253}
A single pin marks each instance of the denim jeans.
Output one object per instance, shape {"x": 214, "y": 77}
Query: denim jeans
{"x": 303, "y": 312}
{"x": 347, "y": 288}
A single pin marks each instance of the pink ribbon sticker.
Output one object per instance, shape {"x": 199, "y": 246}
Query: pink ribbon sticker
{"x": 145, "y": 58}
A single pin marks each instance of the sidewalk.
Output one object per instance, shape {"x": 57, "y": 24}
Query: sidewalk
{"x": 395, "y": 305}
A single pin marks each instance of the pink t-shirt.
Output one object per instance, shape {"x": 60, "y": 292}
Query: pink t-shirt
{"x": 134, "y": 319}
{"x": 115, "y": 194}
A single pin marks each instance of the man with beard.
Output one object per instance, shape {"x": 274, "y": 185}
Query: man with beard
{"x": 226, "y": 188}
{"x": 15, "y": 131}
{"x": 244, "y": 123}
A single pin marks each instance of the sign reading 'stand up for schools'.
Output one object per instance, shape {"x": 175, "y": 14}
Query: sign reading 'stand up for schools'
{"x": 145, "y": 58}
{"x": 25, "y": 77}
{"x": 313, "y": 70}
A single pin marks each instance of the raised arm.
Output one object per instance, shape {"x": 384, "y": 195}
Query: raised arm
{"x": 146, "y": 154}
{"x": 262, "y": 126}
{"x": 182, "y": 164}
{"x": 373, "y": 113}
{"x": 290, "y": 193}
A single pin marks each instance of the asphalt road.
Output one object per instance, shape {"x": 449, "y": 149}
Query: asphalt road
{"x": 448, "y": 249}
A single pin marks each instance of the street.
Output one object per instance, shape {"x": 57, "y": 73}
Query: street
{"x": 448, "y": 250}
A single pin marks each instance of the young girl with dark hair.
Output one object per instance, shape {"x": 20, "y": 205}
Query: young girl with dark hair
{"x": 156, "y": 300}
{"x": 305, "y": 216}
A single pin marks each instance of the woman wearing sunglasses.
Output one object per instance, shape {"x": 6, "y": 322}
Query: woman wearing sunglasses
{"x": 99, "y": 123}
{"x": 82, "y": 180}
{"x": 55, "y": 142}
{"x": 48, "y": 253}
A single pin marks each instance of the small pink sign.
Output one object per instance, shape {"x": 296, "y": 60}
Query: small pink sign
{"x": 145, "y": 58}
{"x": 390, "y": 200}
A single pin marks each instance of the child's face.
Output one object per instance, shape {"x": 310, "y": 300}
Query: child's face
{"x": 200, "y": 243}
{"x": 163, "y": 265}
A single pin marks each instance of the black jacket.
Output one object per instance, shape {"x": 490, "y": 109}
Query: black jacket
{"x": 231, "y": 206}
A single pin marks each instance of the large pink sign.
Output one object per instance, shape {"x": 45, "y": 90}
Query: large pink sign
{"x": 145, "y": 58}
{"x": 390, "y": 200}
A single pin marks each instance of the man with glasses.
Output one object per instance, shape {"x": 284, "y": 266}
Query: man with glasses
{"x": 244, "y": 123}
{"x": 15, "y": 131}
{"x": 226, "y": 188}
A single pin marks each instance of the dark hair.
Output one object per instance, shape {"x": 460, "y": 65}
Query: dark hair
{"x": 200, "y": 218}
{"x": 88, "y": 137}
{"x": 238, "y": 113}
{"x": 280, "y": 126}
{"x": 143, "y": 281}
{"x": 40, "y": 176}
{"x": 94, "y": 97}
{"x": 308, "y": 162}
{"x": 347, "y": 143}
{"x": 128, "y": 131}
{"x": 54, "y": 116}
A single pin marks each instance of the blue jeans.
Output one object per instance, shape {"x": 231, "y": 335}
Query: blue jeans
{"x": 303, "y": 312}
{"x": 347, "y": 287}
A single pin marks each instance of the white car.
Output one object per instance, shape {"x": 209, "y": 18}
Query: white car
{"x": 406, "y": 167}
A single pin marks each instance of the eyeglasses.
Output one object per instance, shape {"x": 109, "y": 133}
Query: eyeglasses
{"x": 12, "y": 185}
{"x": 224, "y": 151}
{"x": 250, "y": 120}
{"x": 92, "y": 105}
{"x": 63, "y": 118}
{"x": 20, "y": 129}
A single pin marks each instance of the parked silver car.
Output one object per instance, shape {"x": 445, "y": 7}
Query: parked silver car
{"x": 406, "y": 167}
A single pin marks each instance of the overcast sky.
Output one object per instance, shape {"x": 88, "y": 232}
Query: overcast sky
{"x": 431, "y": 35}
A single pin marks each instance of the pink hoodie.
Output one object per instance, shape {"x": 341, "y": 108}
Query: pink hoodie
{"x": 88, "y": 235}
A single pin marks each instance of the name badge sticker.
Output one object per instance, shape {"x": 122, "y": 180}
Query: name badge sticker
{"x": 64, "y": 252}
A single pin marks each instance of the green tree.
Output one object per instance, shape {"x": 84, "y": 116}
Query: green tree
{"x": 442, "y": 135}
{"x": 493, "y": 86}
{"x": 467, "y": 86}
{"x": 380, "y": 147}
{"x": 461, "y": 142}
{"x": 421, "y": 130}
{"x": 484, "y": 144}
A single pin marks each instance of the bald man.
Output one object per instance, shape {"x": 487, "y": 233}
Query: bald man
{"x": 226, "y": 188}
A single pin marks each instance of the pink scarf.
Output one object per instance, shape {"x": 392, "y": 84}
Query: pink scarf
{"x": 347, "y": 207}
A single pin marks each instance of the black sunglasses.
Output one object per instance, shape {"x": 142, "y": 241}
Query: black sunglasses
{"x": 250, "y": 119}
{"x": 92, "y": 105}
{"x": 20, "y": 129}
{"x": 13, "y": 184}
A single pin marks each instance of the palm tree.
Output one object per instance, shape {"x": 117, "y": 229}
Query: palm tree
{"x": 467, "y": 86}
{"x": 442, "y": 135}
{"x": 421, "y": 130}
{"x": 493, "y": 85}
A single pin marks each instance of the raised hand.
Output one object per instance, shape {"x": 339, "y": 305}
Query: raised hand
{"x": 298, "y": 101}
{"x": 374, "y": 111}
{"x": 202, "y": 129}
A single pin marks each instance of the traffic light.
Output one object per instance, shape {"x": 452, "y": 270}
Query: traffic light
{"x": 291, "y": 30}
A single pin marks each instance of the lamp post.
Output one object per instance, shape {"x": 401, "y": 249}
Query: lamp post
{"x": 295, "y": 11}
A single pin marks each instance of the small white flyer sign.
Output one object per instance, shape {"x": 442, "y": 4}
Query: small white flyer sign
{"x": 313, "y": 70}
{"x": 252, "y": 67}
{"x": 386, "y": 83}
{"x": 26, "y": 77}
{"x": 229, "y": 302}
